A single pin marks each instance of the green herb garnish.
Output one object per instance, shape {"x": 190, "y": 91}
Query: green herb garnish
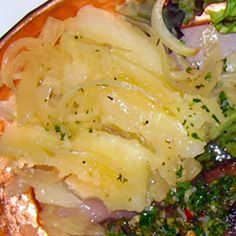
{"x": 208, "y": 76}
{"x": 226, "y": 108}
{"x": 179, "y": 173}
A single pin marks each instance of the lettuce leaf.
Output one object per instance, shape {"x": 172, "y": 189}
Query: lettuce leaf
{"x": 225, "y": 20}
{"x": 192, "y": 8}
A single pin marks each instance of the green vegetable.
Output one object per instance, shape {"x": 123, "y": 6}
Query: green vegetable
{"x": 197, "y": 100}
{"x": 225, "y": 20}
{"x": 58, "y": 129}
{"x": 148, "y": 216}
{"x": 195, "y": 136}
{"x": 178, "y": 12}
{"x": 142, "y": 10}
{"x": 226, "y": 107}
{"x": 191, "y": 8}
{"x": 179, "y": 173}
{"x": 189, "y": 70}
{"x": 214, "y": 117}
{"x": 208, "y": 76}
{"x": 188, "y": 7}
{"x": 228, "y": 139}
{"x": 224, "y": 141}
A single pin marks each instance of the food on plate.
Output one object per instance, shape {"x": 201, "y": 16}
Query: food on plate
{"x": 103, "y": 115}
{"x": 204, "y": 206}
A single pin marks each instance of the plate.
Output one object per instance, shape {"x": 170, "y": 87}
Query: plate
{"x": 32, "y": 23}
{"x": 13, "y": 11}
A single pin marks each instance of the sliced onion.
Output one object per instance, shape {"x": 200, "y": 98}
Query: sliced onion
{"x": 59, "y": 224}
{"x": 100, "y": 84}
{"x": 11, "y": 53}
{"x": 8, "y": 109}
{"x": 166, "y": 37}
{"x": 197, "y": 82}
{"x": 95, "y": 209}
{"x": 52, "y": 31}
{"x": 158, "y": 187}
{"x": 49, "y": 189}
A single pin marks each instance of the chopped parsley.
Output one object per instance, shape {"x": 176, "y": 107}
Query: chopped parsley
{"x": 195, "y": 136}
{"x": 204, "y": 107}
{"x": 58, "y": 129}
{"x": 208, "y": 76}
{"x": 148, "y": 216}
{"x": 197, "y": 100}
{"x": 225, "y": 66}
{"x": 216, "y": 119}
{"x": 75, "y": 104}
{"x": 189, "y": 70}
{"x": 225, "y": 106}
{"x": 179, "y": 173}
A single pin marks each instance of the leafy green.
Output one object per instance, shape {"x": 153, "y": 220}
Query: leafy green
{"x": 226, "y": 107}
{"x": 191, "y": 8}
{"x": 142, "y": 10}
{"x": 148, "y": 216}
{"x": 188, "y": 7}
{"x": 223, "y": 145}
{"x": 177, "y": 193}
{"x": 207, "y": 2}
{"x": 178, "y": 12}
{"x": 225, "y": 19}
{"x": 228, "y": 139}
{"x": 173, "y": 18}
{"x": 227, "y": 135}
{"x": 179, "y": 173}
{"x": 139, "y": 11}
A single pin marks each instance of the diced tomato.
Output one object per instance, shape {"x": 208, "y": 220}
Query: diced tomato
{"x": 188, "y": 214}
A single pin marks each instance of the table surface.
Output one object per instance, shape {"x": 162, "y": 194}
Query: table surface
{"x": 11, "y": 11}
